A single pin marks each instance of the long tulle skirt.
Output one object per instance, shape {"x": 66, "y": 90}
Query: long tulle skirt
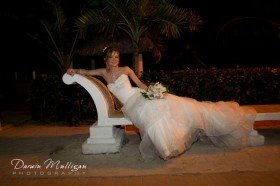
{"x": 169, "y": 126}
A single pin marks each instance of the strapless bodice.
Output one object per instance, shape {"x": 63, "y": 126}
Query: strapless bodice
{"x": 122, "y": 88}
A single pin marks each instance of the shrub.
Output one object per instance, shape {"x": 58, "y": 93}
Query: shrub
{"x": 53, "y": 100}
{"x": 244, "y": 85}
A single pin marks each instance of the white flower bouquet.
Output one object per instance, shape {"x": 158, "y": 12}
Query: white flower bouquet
{"x": 155, "y": 91}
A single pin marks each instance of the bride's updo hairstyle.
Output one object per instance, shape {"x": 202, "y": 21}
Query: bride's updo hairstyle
{"x": 107, "y": 52}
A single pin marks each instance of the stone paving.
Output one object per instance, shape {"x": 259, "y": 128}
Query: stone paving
{"x": 251, "y": 166}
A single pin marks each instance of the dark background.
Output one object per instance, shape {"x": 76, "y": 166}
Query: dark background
{"x": 234, "y": 33}
{"x": 221, "y": 41}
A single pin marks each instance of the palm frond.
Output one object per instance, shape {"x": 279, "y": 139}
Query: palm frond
{"x": 54, "y": 43}
{"x": 140, "y": 19}
{"x": 170, "y": 19}
{"x": 88, "y": 18}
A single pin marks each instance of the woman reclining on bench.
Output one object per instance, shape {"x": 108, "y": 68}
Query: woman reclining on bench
{"x": 168, "y": 126}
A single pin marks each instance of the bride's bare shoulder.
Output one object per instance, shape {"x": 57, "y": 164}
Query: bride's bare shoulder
{"x": 126, "y": 69}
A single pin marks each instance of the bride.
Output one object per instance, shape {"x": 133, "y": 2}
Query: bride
{"x": 169, "y": 126}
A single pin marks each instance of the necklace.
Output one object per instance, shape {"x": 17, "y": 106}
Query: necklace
{"x": 113, "y": 74}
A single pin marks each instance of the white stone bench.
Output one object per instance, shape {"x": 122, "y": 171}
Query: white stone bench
{"x": 104, "y": 137}
{"x": 267, "y": 112}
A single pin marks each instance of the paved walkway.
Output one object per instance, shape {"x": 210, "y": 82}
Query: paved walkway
{"x": 221, "y": 179}
{"x": 262, "y": 165}
{"x": 264, "y": 171}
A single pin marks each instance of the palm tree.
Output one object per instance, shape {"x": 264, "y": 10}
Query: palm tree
{"x": 148, "y": 20}
{"x": 57, "y": 36}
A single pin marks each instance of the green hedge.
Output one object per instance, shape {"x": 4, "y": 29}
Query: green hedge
{"x": 53, "y": 100}
{"x": 244, "y": 85}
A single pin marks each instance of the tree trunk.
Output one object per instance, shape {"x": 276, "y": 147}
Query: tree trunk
{"x": 138, "y": 64}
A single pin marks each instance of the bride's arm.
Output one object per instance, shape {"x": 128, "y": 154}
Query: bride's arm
{"x": 95, "y": 72}
{"x": 135, "y": 79}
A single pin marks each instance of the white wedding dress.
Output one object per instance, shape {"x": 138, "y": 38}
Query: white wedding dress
{"x": 169, "y": 126}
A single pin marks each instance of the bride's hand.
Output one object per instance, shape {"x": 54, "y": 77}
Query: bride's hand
{"x": 71, "y": 71}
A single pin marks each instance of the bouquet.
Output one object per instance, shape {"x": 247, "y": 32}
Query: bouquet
{"x": 155, "y": 91}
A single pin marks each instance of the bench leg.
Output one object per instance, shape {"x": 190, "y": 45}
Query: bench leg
{"x": 103, "y": 139}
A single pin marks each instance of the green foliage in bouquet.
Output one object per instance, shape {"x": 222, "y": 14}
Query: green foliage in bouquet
{"x": 155, "y": 91}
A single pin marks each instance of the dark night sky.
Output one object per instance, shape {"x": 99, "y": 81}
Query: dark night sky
{"x": 20, "y": 50}
{"x": 251, "y": 42}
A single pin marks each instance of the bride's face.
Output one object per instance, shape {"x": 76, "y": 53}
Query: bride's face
{"x": 113, "y": 60}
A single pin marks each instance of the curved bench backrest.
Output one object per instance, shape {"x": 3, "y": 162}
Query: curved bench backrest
{"x": 102, "y": 97}
{"x": 105, "y": 92}
{"x": 112, "y": 103}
